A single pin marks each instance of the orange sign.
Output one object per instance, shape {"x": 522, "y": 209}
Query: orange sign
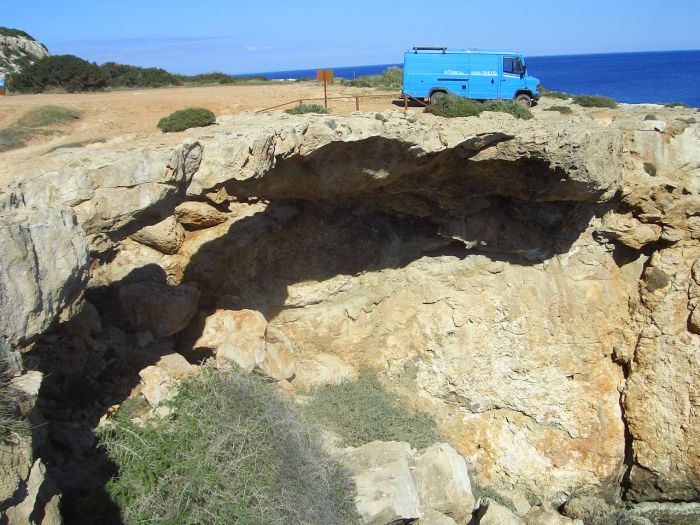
{"x": 324, "y": 75}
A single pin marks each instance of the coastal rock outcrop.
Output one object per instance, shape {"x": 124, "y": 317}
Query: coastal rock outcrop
{"x": 18, "y": 50}
{"x": 528, "y": 283}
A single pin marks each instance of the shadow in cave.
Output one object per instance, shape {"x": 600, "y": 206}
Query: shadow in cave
{"x": 90, "y": 364}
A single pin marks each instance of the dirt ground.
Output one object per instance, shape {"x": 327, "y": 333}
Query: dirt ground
{"x": 138, "y": 111}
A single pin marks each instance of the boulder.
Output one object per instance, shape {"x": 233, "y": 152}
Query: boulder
{"x": 39, "y": 499}
{"x": 538, "y": 516}
{"x": 166, "y": 236}
{"x": 279, "y": 363}
{"x": 442, "y": 480}
{"x": 493, "y": 513}
{"x": 195, "y": 215}
{"x": 385, "y": 490}
{"x": 433, "y": 517}
{"x": 236, "y": 336}
{"x": 322, "y": 369}
{"x": 158, "y": 308}
{"x": 43, "y": 269}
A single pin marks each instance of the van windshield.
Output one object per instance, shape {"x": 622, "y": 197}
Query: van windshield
{"x": 513, "y": 66}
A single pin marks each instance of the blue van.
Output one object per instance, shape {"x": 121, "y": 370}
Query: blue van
{"x": 432, "y": 72}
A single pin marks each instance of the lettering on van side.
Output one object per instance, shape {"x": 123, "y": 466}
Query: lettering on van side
{"x": 473, "y": 73}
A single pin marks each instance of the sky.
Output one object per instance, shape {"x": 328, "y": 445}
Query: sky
{"x": 252, "y": 36}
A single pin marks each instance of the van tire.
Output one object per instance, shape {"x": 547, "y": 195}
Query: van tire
{"x": 436, "y": 95}
{"x": 523, "y": 100}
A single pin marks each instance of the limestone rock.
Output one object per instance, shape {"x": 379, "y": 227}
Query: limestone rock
{"x": 38, "y": 497}
{"x": 18, "y": 51}
{"x": 195, "y": 215}
{"x": 279, "y": 363}
{"x": 159, "y": 381}
{"x": 664, "y": 375}
{"x": 433, "y": 517}
{"x": 158, "y": 308}
{"x": 442, "y": 481}
{"x": 385, "y": 490}
{"x": 43, "y": 268}
{"x": 322, "y": 369}
{"x": 493, "y": 513}
{"x": 629, "y": 231}
{"x": 166, "y": 236}
{"x": 549, "y": 517}
{"x": 236, "y": 336}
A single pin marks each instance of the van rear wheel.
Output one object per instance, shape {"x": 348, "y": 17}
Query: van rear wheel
{"x": 435, "y": 96}
{"x": 523, "y": 100}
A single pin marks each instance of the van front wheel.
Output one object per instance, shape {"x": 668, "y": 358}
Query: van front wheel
{"x": 523, "y": 100}
{"x": 437, "y": 95}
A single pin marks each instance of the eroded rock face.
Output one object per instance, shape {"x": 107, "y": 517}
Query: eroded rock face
{"x": 512, "y": 278}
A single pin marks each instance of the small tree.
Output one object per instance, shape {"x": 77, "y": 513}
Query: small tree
{"x": 60, "y": 71}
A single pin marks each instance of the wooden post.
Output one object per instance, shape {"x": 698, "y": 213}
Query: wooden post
{"x": 325, "y": 93}
{"x": 357, "y": 103}
{"x": 325, "y": 76}
{"x": 405, "y": 102}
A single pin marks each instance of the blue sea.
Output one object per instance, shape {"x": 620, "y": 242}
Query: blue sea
{"x": 664, "y": 76}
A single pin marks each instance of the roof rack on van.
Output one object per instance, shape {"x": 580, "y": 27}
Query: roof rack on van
{"x": 416, "y": 49}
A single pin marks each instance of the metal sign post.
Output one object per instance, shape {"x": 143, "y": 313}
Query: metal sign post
{"x": 325, "y": 76}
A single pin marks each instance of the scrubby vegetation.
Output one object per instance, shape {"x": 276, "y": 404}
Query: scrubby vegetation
{"x": 560, "y": 109}
{"x": 392, "y": 78}
{"x": 33, "y": 123}
{"x": 11, "y": 424}
{"x": 595, "y": 101}
{"x": 234, "y": 452}
{"x": 8, "y": 31}
{"x": 66, "y": 72}
{"x": 70, "y": 73}
{"x": 306, "y": 108}
{"x": 554, "y": 94}
{"x": 47, "y": 116}
{"x": 185, "y": 119}
{"x": 363, "y": 411}
{"x": 677, "y": 105}
{"x": 453, "y": 106}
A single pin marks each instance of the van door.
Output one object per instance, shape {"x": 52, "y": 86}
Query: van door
{"x": 483, "y": 82}
{"x": 512, "y": 80}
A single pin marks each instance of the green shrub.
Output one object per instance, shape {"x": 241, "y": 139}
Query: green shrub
{"x": 66, "y": 72}
{"x": 306, "y": 108}
{"x": 650, "y": 168}
{"x": 11, "y": 423}
{"x": 451, "y": 105}
{"x": 560, "y": 109}
{"x": 185, "y": 119}
{"x": 13, "y": 138}
{"x": 484, "y": 491}
{"x": 554, "y": 94}
{"x": 363, "y": 411}
{"x": 234, "y": 452}
{"x": 8, "y": 31}
{"x": 392, "y": 78}
{"x": 508, "y": 106}
{"x": 677, "y": 105}
{"x": 47, "y": 116}
{"x": 121, "y": 75}
{"x": 595, "y": 101}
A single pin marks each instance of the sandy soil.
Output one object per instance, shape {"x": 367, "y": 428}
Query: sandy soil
{"x": 138, "y": 111}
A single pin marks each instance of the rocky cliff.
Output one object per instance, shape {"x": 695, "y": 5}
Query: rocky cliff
{"x": 17, "y": 50}
{"x": 534, "y": 285}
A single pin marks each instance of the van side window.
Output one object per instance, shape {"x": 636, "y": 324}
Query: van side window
{"x": 512, "y": 66}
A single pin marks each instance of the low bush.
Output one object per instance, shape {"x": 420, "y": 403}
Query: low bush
{"x": 677, "y": 105}
{"x": 121, "y": 75}
{"x": 185, "y": 119}
{"x": 453, "y": 106}
{"x": 13, "y": 138}
{"x": 392, "y": 78}
{"x": 47, "y": 116}
{"x": 11, "y": 423}
{"x": 234, "y": 452}
{"x": 363, "y": 411}
{"x": 554, "y": 94}
{"x": 306, "y": 108}
{"x": 560, "y": 109}
{"x": 595, "y": 101}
